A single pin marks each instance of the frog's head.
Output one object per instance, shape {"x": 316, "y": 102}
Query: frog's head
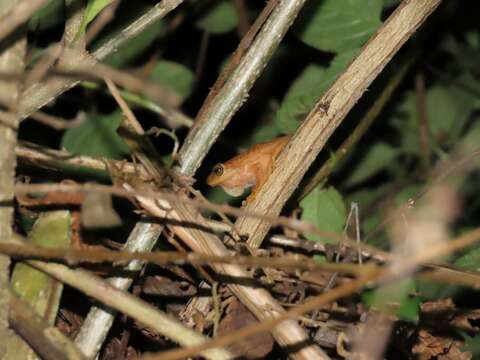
{"x": 219, "y": 175}
{"x": 228, "y": 178}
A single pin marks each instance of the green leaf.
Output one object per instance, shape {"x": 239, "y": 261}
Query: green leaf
{"x": 221, "y": 18}
{"x": 91, "y": 11}
{"x": 377, "y": 157}
{"x": 448, "y": 111}
{"x": 326, "y": 210}
{"x": 265, "y": 133}
{"x": 175, "y": 76}
{"x": 97, "y": 137}
{"x": 471, "y": 140}
{"x": 50, "y": 15}
{"x": 307, "y": 89}
{"x": 339, "y": 25}
{"x": 470, "y": 260}
{"x": 395, "y": 299}
{"x": 472, "y": 344}
{"x": 441, "y": 110}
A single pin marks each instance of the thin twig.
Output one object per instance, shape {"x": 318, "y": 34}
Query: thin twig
{"x": 78, "y": 256}
{"x": 423, "y": 123}
{"x": 57, "y": 123}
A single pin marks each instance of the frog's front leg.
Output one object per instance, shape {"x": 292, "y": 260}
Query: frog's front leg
{"x": 263, "y": 168}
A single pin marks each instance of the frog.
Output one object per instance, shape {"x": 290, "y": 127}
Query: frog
{"x": 248, "y": 169}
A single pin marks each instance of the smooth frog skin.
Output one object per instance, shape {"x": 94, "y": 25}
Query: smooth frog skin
{"x": 250, "y": 168}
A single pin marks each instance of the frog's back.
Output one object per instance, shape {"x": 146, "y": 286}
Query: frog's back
{"x": 272, "y": 148}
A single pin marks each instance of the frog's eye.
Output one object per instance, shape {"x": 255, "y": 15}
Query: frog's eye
{"x": 218, "y": 170}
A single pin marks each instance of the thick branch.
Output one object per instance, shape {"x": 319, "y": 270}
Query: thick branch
{"x": 329, "y": 112}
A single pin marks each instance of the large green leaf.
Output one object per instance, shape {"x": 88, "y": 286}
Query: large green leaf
{"x": 97, "y": 137}
{"x": 326, "y": 209}
{"x": 339, "y": 25}
{"x": 175, "y": 76}
{"x": 221, "y": 18}
{"x": 448, "y": 110}
{"x": 307, "y": 89}
{"x": 378, "y": 156}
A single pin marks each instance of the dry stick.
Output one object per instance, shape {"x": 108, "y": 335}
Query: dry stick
{"x": 76, "y": 256}
{"x": 360, "y": 129}
{"x": 128, "y": 304}
{"x": 18, "y": 15}
{"x": 242, "y": 14}
{"x": 329, "y": 112}
{"x": 55, "y": 122}
{"x": 340, "y": 291}
{"x": 41, "y": 94}
{"x": 11, "y": 60}
{"x": 57, "y": 159}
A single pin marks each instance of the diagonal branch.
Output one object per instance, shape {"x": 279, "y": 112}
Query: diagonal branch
{"x": 330, "y": 111}
{"x": 220, "y": 106}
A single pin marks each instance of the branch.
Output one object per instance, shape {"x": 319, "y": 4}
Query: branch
{"x": 11, "y": 60}
{"x": 223, "y": 103}
{"x": 99, "y": 320}
{"x": 360, "y": 130}
{"x": 329, "y": 112}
